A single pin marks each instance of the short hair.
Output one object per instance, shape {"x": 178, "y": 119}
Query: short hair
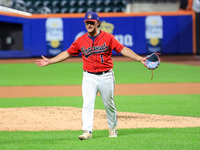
{"x": 99, "y": 24}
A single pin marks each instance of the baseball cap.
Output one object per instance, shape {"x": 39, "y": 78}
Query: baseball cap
{"x": 91, "y": 16}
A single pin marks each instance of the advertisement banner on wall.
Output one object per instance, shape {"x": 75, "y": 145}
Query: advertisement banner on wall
{"x": 143, "y": 35}
{"x": 154, "y": 33}
{"x": 169, "y": 34}
{"x": 125, "y": 39}
{"x": 54, "y": 36}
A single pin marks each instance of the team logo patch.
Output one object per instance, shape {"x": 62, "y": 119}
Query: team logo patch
{"x": 89, "y": 16}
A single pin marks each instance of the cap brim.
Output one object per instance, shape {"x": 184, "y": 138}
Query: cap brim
{"x": 90, "y": 20}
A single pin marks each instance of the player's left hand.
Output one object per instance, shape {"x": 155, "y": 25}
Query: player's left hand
{"x": 143, "y": 60}
{"x": 42, "y": 62}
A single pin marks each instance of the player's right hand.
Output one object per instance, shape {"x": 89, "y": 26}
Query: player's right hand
{"x": 42, "y": 62}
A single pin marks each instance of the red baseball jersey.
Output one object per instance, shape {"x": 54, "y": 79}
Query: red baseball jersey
{"x": 96, "y": 55}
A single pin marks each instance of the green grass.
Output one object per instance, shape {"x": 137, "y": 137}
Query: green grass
{"x": 133, "y": 72}
{"x": 30, "y": 74}
{"x": 125, "y": 72}
{"x": 71, "y": 73}
{"x": 128, "y": 139}
{"x": 177, "y": 105}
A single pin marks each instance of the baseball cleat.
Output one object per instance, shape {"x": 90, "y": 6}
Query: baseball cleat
{"x": 86, "y": 135}
{"x": 112, "y": 133}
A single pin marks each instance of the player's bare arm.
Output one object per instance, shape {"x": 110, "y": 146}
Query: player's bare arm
{"x": 60, "y": 57}
{"x": 130, "y": 54}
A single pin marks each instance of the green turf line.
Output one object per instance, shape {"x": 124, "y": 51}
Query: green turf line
{"x": 177, "y": 105}
{"x": 128, "y": 139}
{"x": 71, "y": 73}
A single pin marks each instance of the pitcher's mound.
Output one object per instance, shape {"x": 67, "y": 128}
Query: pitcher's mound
{"x": 69, "y": 118}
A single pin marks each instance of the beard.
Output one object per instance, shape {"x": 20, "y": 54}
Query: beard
{"x": 91, "y": 30}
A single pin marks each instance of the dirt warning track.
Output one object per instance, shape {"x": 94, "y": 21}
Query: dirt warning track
{"x": 120, "y": 89}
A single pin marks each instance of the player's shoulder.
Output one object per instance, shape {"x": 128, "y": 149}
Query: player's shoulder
{"x": 107, "y": 34}
{"x": 81, "y": 38}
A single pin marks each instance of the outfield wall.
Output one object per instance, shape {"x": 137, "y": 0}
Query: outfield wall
{"x": 144, "y": 33}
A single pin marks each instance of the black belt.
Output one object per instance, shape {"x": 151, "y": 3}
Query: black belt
{"x": 97, "y": 73}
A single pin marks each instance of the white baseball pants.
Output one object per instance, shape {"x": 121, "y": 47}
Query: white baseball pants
{"x": 91, "y": 84}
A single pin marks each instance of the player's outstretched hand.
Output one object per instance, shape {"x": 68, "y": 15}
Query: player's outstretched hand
{"x": 42, "y": 62}
{"x": 143, "y": 60}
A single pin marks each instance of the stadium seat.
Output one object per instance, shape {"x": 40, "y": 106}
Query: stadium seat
{"x": 81, "y": 3}
{"x": 73, "y": 3}
{"x": 116, "y": 2}
{"x": 44, "y": 10}
{"x": 124, "y": 2}
{"x": 73, "y": 10}
{"x": 19, "y": 5}
{"x": 31, "y": 10}
{"x": 64, "y": 10}
{"x": 55, "y": 3}
{"x": 55, "y": 10}
{"x": 153, "y": 1}
{"x": 145, "y": 1}
{"x": 122, "y": 9}
{"x": 171, "y": 1}
{"x": 99, "y": 9}
{"x": 108, "y": 9}
{"x": 116, "y": 9}
{"x": 47, "y": 3}
{"x": 137, "y": 1}
{"x": 162, "y": 1}
{"x": 81, "y": 10}
{"x": 38, "y": 4}
{"x": 90, "y": 9}
{"x": 29, "y": 3}
{"x": 90, "y": 3}
{"x": 99, "y": 3}
{"x": 108, "y": 3}
{"x": 64, "y": 3}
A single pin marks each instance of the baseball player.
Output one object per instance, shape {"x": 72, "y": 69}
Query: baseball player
{"x": 96, "y": 47}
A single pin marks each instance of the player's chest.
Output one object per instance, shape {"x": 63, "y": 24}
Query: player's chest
{"x": 94, "y": 47}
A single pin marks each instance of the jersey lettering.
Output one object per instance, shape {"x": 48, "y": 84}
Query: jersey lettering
{"x": 96, "y": 50}
{"x": 102, "y": 61}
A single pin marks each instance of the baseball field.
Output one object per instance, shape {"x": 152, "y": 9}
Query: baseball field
{"x": 40, "y": 108}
